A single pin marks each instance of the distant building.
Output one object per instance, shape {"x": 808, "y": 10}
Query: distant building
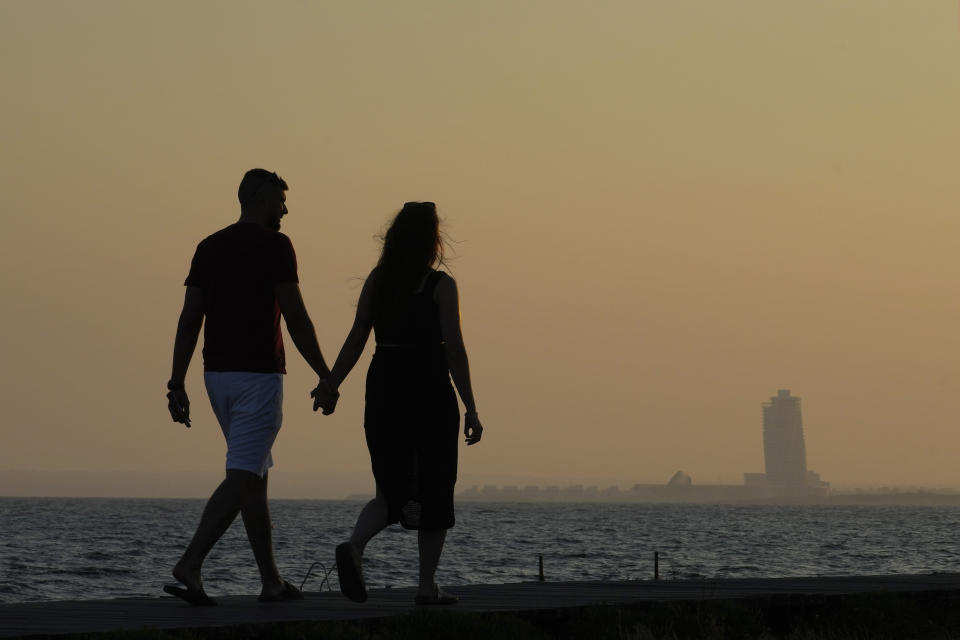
{"x": 612, "y": 492}
{"x": 754, "y": 479}
{"x": 551, "y": 492}
{"x": 510, "y": 492}
{"x": 784, "y": 451}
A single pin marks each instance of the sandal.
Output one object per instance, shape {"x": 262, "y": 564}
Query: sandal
{"x": 350, "y": 572}
{"x": 288, "y": 593}
{"x": 439, "y": 596}
{"x": 196, "y": 597}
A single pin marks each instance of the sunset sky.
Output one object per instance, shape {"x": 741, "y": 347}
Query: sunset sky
{"x": 661, "y": 213}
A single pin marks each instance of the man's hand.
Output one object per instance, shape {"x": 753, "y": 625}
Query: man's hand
{"x": 472, "y": 429}
{"x": 324, "y": 397}
{"x": 179, "y": 405}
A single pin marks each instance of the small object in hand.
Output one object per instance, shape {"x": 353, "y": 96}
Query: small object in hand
{"x": 179, "y": 406}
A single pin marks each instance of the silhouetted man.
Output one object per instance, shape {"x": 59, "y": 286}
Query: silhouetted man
{"x": 241, "y": 280}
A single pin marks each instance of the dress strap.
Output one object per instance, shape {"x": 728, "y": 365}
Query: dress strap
{"x": 432, "y": 280}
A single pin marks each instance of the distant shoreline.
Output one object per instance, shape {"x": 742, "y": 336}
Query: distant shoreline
{"x": 906, "y": 499}
{"x": 301, "y": 485}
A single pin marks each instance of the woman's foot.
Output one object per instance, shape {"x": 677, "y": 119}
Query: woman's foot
{"x": 435, "y": 596}
{"x": 192, "y": 591}
{"x": 350, "y": 572}
{"x": 285, "y": 593}
{"x": 188, "y": 577}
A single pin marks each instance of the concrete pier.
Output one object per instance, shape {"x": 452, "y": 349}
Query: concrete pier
{"x": 89, "y": 616}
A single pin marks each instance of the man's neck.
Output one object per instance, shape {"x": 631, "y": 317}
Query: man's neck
{"x": 250, "y": 217}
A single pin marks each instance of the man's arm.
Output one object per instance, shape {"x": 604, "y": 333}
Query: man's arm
{"x": 300, "y": 326}
{"x": 188, "y": 331}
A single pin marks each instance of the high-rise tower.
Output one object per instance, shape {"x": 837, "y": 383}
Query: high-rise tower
{"x": 783, "y": 448}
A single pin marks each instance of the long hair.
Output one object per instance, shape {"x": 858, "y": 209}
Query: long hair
{"x": 411, "y": 246}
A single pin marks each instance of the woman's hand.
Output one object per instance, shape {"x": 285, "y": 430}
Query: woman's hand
{"x": 325, "y": 397}
{"x": 472, "y": 429}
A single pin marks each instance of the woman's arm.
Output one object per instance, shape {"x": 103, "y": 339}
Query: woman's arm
{"x": 356, "y": 339}
{"x": 448, "y": 303}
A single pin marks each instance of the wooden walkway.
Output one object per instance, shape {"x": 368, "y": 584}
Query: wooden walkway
{"x": 50, "y": 618}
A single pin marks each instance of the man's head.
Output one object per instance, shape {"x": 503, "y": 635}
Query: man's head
{"x": 262, "y": 198}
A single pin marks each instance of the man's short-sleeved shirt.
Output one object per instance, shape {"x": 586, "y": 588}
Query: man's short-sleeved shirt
{"x": 238, "y": 268}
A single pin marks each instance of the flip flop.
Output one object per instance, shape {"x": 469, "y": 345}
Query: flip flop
{"x": 439, "y": 597}
{"x": 196, "y": 597}
{"x": 350, "y": 572}
{"x": 288, "y": 593}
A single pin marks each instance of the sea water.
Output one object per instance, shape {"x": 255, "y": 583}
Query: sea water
{"x": 70, "y": 549}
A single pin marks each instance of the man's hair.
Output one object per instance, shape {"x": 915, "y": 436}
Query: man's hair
{"x": 253, "y": 180}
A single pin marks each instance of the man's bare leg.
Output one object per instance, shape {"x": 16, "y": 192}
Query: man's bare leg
{"x": 221, "y": 510}
{"x": 256, "y": 520}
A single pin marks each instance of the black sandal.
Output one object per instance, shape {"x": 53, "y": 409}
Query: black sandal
{"x": 439, "y": 597}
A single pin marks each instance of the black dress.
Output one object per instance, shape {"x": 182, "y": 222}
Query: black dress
{"x": 412, "y": 419}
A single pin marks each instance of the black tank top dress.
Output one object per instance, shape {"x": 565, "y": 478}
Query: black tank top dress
{"x": 411, "y": 418}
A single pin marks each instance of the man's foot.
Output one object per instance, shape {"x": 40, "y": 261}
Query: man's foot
{"x": 435, "y": 596}
{"x": 286, "y": 593}
{"x": 350, "y": 572}
{"x": 196, "y": 597}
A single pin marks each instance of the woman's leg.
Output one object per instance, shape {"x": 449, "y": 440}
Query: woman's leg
{"x": 437, "y": 453}
{"x": 373, "y": 518}
{"x": 431, "y": 546}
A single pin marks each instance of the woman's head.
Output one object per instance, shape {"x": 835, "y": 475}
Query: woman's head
{"x": 412, "y": 243}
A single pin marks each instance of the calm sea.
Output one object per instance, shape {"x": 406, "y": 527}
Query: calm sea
{"x": 54, "y": 549}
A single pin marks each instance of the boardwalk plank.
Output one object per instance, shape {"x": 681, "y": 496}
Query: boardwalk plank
{"x": 167, "y": 612}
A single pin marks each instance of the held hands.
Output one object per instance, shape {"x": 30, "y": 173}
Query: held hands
{"x": 179, "y": 405}
{"x": 325, "y": 397}
{"x": 472, "y": 429}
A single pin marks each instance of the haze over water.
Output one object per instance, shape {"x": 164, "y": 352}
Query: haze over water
{"x": 663, "y": 212}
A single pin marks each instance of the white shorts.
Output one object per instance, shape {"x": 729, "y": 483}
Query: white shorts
{"x": 249, "y": 409}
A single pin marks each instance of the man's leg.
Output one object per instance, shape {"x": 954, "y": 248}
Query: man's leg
{"x": 256, "y": 520}
{"x": 221, "y": 509}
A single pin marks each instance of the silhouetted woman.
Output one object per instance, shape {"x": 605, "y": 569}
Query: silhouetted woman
{"x": 411, "y": 418}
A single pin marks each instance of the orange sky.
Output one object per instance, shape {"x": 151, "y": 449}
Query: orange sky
{"x": 664, "y": 212}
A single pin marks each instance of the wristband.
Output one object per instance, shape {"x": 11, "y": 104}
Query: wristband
{"x": 174, "y": 386}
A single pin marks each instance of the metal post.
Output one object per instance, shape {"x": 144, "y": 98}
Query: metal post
{"x": 541, "y": 567}
{"x": 656, "y": 565}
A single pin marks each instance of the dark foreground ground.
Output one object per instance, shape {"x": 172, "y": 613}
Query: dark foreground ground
{"x": 846, "y": 608}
